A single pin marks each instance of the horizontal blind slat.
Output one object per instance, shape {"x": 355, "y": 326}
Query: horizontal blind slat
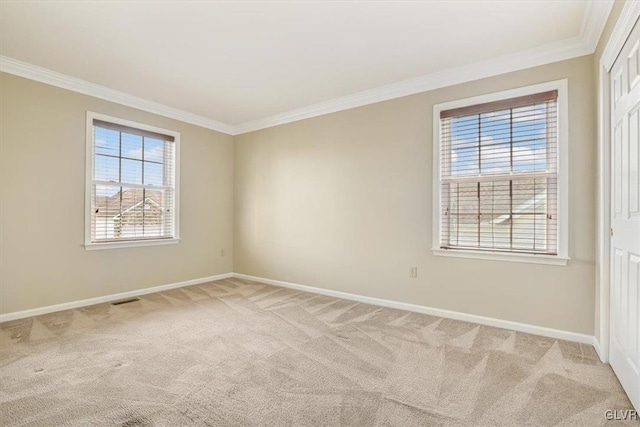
{"x": 501, "y": 105}
{"x": 133, "y": 195}
{"x": 131, "y": 130}
{"x": 498, "y": 171}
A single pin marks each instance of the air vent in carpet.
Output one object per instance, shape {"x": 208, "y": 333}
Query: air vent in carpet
{"x": 125, "y": 301}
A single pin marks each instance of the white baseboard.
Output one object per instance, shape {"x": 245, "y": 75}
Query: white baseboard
{"x": 488, "y": 321}
{"x": 107, "y": 298}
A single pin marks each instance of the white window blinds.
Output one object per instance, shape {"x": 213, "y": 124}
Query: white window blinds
{"x": 133, "y": 184}
{"x": 499, "y": 176}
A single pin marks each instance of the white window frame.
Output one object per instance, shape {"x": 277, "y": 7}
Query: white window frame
{"x": 563, "y": 177}
{"x": 89, "y": 171}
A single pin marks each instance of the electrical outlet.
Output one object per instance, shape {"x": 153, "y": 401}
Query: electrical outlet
{"x": 413, "y": 272}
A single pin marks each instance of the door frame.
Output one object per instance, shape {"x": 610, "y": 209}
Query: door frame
{"x": 626, "y": 21}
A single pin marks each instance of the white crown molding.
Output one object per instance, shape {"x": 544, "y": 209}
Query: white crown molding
{"x": 567, "y": 49}
{"x": 53, "y": 78}
{"x": 594, "y": 20}
{"x": 626, "y": 21}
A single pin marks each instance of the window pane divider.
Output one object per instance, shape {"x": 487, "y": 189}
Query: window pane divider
{"x": 140, "y": 186}
{"x": 501, "y": 177}
{"x": 121, "y": 214}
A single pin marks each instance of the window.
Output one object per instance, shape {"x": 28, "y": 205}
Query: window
{"x": 500, "y": 172}
{"x": 132, "y": 191}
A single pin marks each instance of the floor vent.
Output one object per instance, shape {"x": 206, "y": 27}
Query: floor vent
{"x": 125, "y": 301}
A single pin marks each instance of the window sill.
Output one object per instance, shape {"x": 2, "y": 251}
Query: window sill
{"x": 501, "y": 256}
{"x": 132, "y": 244}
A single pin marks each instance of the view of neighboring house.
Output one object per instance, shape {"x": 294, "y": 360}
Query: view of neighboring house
{"x": 128, "y": 213}
{"x": 488, "y": 216}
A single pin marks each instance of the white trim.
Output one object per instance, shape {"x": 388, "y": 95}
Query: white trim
{"x": 53, "y": 78}
{"x": 88, "y": 177}
{"x": 596, "y": 346}
{"x": 482, "y": 320}
{"x": 628, "y": 17}
{"x": 562, "y": 86}
{"x": 501, "y": 256}
{"x": 107, "y": 298}
{"x": 603, "y": 212}
{"x": 594, "y": 19}
{"x": 544, "y": 55}
{"x": 130, "y": 244}
{"x": 89, "y": 163}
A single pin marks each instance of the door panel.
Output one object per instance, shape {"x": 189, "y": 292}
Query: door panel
{"x": 625, "y": 218}
{"x": 634, "y": 304}
{"x": 617, "y": 169}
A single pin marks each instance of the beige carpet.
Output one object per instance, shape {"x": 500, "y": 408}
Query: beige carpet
{"x": 234, "y": 352}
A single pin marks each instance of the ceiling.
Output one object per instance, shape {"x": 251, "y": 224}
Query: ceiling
{"x": 237, "y": 63}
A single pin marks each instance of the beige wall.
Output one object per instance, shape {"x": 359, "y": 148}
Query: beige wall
{"x": 42, "y": 150}
{"x": 343, "y": 202}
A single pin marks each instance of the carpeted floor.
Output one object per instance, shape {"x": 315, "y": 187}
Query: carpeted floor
{"x": 234, "y": 352}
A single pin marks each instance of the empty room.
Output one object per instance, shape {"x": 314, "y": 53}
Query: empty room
{"x": 320, "y": 213}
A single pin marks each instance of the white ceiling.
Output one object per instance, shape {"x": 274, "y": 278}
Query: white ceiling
{"x": 238, "y": 62}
